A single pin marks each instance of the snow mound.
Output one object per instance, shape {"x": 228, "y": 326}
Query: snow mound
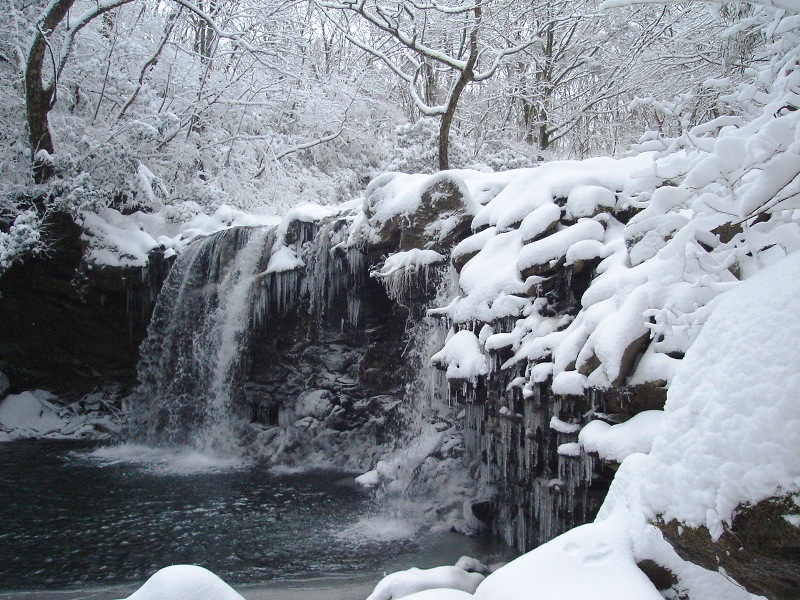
{"x": 404, "y": 583}
{"x": 732, "y": 420}
{"x": 591, "y": 561}
{"x": 34, "y": 414}
{"x": 185, "y": 582}
{"x": 31, "y": 412}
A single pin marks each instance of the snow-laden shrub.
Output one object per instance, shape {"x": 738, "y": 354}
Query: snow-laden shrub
{"x": 416, "y": 148}
{"x": 24, "y": 237}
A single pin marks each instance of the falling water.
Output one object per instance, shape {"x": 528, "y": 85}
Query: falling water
{"x": 197, "y": 337}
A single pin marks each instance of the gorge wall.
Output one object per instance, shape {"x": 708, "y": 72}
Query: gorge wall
{"x": 498, "y": 324}
{"x": 71, "y": 327}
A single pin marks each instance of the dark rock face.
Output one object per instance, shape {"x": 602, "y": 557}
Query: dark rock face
{"x": 760, "y": 549}
{"x": 69, "y": 328}
{"x": 300, "y": 351}
{"x": 332, "y": 330}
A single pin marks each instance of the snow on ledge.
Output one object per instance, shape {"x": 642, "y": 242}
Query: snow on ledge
{"x": 462, "y": 357}
{"x": 617, "y": 442}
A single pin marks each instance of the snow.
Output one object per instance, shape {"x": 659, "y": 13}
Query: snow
{"x": 569, "y": 449}
{"x": 728, "y": 435}
{"x": 393, "y": 195}
{"x": 185, "y": 582}
{"x": 313, "y": 403}
{"x": 404, "y": 583}
{"x": 487, "y": 277}
{"x": 569, "y": 383}
{"x": 535, "y": 187}
{"x": 283, "y": 259}
{"x": 551, "y": 248}
{"x": 617, "y": 442}
{"x": 440, "y": 594}
{"x": 732, "y": 419}
{"x": 560, "y": 426}
{"x": 589, "y": 562}
{"x": 121, "y": 240}
{"x": 587, "y": 200}
{"x": 411, "y": 259}
{"x": 30, "y": 411}
{"x": 34, "y": 414}
{"x": 370, "y": 479}
{"x": 462, "y": 357}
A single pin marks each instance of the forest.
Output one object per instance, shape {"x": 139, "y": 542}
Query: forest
{"x": 405, "y": 277}
{"x": 261, "y": 105}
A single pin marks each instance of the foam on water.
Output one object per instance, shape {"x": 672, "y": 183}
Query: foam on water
{"x": 167, "y": 461}
{"x": 379, "y": 528}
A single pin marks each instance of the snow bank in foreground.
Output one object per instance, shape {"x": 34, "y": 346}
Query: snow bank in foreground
{"x": 589, "y": 562}
{"x": 185, "y": 582}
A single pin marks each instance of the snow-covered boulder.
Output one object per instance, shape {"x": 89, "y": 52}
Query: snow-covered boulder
{"x": 30, "y": 415}
{"x": 185, "y": 582}
{"x": 417, "y": 211}
{"x": 593, "y": 561}
{"x": 723, "y": 475}
{"x": 405, "y": 583}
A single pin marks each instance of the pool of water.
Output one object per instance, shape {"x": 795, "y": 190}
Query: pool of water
{"x": 72, "y": 516}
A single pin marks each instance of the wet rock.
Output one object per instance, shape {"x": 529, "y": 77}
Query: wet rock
{"x": 5, "y": 384}
{"x": 760, "y": 550}
{"x": 68, "y": 326}
{"x": 661, "y": 577}
{"x": 629, "y": 357}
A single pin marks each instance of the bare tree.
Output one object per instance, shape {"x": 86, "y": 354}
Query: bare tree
{"x": 427, "y": 43}
{"x": 41, "y": 83}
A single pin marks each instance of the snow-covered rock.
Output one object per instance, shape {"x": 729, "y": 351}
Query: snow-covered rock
{"x": 31, "y": 414}
{"x": 185, "y": 582}
{"x": 405, "y": 583}
{"x": 731, "y": 425}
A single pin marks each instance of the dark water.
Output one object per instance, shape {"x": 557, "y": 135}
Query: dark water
{"x": 68, "y": 520}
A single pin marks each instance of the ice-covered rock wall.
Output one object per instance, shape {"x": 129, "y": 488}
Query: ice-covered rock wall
{"x": 580, "y": 286}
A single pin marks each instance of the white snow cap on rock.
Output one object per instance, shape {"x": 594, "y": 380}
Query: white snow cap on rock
{"x": 731, "y": 429}
{"x": 589, "y": 562}
{"x": 616, "y": 442}
{"x": 185, "y": 582}
{"x": 462, "y": 356}
{"x": 405, "y": 583}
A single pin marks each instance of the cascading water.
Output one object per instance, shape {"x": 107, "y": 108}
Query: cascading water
{"x": 197, "y": 341}
{"x": 282, "y": 323}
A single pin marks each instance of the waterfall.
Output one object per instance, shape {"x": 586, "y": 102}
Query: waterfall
{"x": 197, "y": 341}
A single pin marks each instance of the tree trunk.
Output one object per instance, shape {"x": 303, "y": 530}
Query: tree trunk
{"x": 452, "y": 103}
{"x": 40, "y": 97}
